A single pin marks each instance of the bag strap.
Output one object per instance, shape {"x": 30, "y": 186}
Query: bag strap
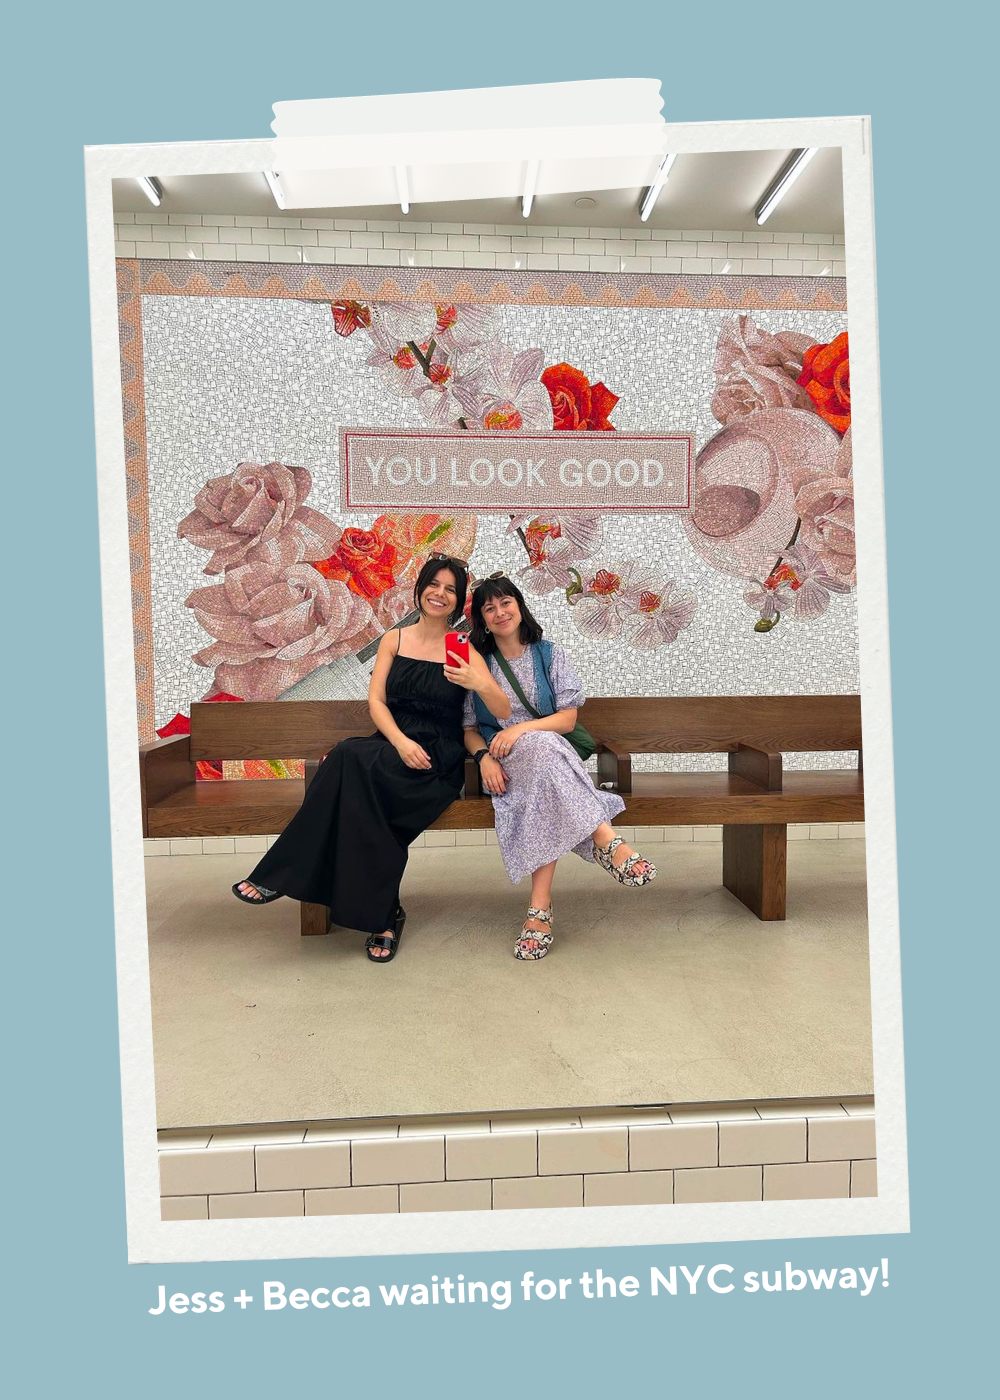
{"x": 514, "y": 685}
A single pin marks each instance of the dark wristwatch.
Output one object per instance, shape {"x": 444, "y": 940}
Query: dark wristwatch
{"x": 477, "y": 758}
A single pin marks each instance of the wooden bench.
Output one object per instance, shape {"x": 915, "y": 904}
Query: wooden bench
{"x": 753, "y": 801}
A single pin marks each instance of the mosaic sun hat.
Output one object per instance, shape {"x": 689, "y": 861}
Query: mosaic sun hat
{"x": 746, "y": 478}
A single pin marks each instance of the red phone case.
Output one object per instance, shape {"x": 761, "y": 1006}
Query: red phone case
{"x": 458, "y": 642}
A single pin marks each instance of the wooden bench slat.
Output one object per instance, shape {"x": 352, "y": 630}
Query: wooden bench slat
{"x": 264, "y": 808}
{"x": 662, "y": 724}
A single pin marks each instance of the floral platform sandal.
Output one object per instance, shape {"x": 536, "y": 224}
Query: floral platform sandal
{"x": 533, "y": 943}
{"x": 634, "y": 871}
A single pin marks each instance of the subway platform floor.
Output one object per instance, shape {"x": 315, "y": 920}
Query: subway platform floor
{"x": 673, "y": 993}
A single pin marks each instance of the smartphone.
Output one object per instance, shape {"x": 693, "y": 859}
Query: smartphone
{"x": 458, "y": 642}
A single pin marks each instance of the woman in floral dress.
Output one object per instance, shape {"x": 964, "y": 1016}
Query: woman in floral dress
{"x": 545, "y": 803}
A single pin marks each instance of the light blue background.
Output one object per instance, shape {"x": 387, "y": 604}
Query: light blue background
{"x": 99, "y": 74}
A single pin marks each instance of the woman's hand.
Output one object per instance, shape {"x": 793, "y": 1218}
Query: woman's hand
{"x": 494, "y": 779}
{"x": 411, "y": 753}
{"x": 469, "y": 676}
{"x": 504, "y": 740}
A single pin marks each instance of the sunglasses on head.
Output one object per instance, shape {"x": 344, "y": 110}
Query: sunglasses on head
{"x": 450, "y": 559}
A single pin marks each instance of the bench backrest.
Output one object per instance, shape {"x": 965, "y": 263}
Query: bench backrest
{"x": 669, "y": 724}
{"x": 717, "y": 723}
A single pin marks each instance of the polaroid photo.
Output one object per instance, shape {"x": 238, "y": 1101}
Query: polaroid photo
{"x": 489, "y": 532}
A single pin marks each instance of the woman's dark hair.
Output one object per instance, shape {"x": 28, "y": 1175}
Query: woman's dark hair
{"x": 429, "y": 573}
{"x": 484, "y": 641}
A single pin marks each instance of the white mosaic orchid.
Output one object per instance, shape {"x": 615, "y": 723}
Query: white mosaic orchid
{"x": 504, "y": 392}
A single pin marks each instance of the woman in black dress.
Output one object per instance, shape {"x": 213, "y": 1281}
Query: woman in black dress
{"x": 347, "y": 845}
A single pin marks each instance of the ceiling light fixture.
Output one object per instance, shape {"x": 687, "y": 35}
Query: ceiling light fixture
{"x": 150, "y": 187}
{"x": 274, "y": 185}
{"x": 783, "y": 181}
{"x": 403, "y": 189}
{"x": 659, "y": 180}
{"x": 530, "y": 181}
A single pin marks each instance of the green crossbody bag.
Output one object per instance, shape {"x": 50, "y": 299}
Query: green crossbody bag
{"x": 581, "y": 739}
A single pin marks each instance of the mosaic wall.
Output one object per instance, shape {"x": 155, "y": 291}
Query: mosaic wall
{"x": 245, "y": 387}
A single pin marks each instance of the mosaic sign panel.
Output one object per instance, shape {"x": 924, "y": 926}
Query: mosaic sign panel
{"x": 468, "y": 470}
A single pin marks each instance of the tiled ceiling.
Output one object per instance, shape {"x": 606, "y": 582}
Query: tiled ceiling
{"x": 711, "y": 190}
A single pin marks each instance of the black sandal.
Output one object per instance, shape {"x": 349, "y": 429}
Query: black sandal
{"x": 266, "y": 896}
{"x": 386, "y": 940}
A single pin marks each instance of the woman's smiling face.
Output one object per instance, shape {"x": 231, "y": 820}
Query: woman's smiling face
{"x": 440, "y": 597}
{"x": 502, "y": 616}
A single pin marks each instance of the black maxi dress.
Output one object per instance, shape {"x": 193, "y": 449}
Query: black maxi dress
{"x": 347, "y": 845}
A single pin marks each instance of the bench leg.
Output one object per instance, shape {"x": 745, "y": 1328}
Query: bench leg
{"x": 315, "y": 918}
{"x": 753, "y": 867}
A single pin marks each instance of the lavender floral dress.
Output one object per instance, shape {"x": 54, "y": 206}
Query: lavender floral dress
{"x": 551, "y": 805}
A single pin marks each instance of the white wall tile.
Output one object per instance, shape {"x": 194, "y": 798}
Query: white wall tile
{"x": 267, "y": 235}
{"x": 218, "y": 845}
{"x": 185, "y": 845}
{"x": 124, "y": 250}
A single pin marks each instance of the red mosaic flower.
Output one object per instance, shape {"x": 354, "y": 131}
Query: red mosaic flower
{"x": 826, "y": 378}
{"x": 535, "y": 535}
{"x": 180, "y": 724}
{"x": 605, "y": 583}
{"x": 350, "y": 316}
{"x": 578, "y": 405}
{"x": 784, "y": 573}
{"x": 446, "y": 317}
{"x": 364, "y": 561}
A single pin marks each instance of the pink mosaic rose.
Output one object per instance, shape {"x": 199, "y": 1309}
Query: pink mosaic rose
{"x": 274, "y": 625}
{"x": 256, "y": 516}
{"x": 393, "y": 606}
{"x": 755, "y": 369}
{"x": 826, "y": 508}
{"x": 662, "y": 615}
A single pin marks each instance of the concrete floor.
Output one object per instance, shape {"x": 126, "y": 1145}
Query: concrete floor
{"x": 674, "y": 993}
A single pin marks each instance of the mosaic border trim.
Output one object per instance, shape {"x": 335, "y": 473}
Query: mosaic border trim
{"x": 334, "y": 282}
{"x": 136, "y": 489}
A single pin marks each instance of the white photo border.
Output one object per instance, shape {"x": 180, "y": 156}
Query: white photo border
{"x": 152, "y": 1240}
